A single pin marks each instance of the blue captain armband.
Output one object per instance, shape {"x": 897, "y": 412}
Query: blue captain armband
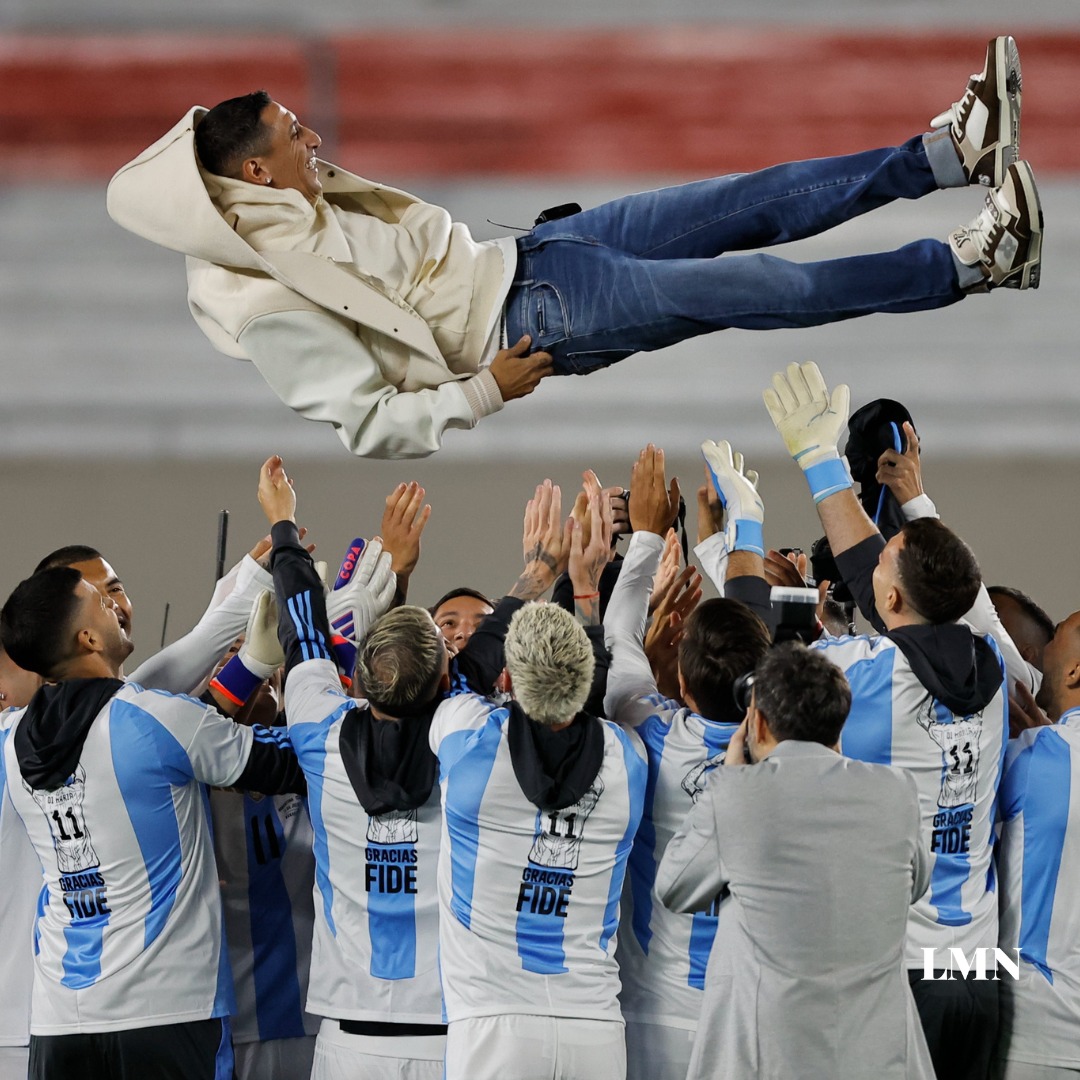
{"x": 827, "y": 478}
{"x": 236, "y": 682}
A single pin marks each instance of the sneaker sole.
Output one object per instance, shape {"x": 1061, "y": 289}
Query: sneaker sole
{"x": 1027, "y": 275}
{"x": 1003, "y": 78}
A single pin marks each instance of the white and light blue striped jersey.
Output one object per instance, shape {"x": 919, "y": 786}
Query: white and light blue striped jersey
{"x": 663, "y": 954}
{"x": 529, "y": 900}
{"x": 375, "y": 950}
{"x": 267, "y": 873}
{"x": 1039, "y": 870}
{"x": 956, "y": 762}
{"x": 20, "y": 871}
{"x": 132, "y": 900}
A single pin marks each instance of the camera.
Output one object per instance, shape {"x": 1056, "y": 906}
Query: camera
{"x": 795, "y": 619}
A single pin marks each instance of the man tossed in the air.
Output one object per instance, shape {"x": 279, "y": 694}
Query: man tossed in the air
{"x": 368, "y": 309}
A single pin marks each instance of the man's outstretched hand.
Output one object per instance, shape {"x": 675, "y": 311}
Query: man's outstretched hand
{"x": 276, "y": 495}
{"x": 517, "y": 372}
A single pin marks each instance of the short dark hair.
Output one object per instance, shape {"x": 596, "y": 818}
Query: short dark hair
{"x": 801, "y": 694}
{"x": 453, "y": 594}
{"x": 722, "y": 640}
{"x": 1028, "y": 606}
{"x": 35, "y": 620}
{"x": 938, "y": 571}
{"x": 67, "y": 556}
{"x": 231, "y": 132}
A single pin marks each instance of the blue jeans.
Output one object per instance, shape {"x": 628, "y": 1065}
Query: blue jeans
{"x": 642, "y": 272}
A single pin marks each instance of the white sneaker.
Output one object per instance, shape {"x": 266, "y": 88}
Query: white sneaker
{"x": 985, "y": 122}
{"x": 1005, "y": 240}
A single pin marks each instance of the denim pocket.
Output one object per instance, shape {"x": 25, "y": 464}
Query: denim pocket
{"x": 547, "y": 313}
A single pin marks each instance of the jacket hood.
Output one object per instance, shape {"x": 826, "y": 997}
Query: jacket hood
{"x": 160, "y": 195}
{"x": 49, "y": 739}
{"x": 555, "y": 769}
{"x": 961, "y": 670}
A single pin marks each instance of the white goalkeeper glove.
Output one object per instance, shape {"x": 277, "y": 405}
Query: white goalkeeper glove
{"x": 810, "y": 423}
{"x": 737, "y": 488}
{"x": 357, "y": 601}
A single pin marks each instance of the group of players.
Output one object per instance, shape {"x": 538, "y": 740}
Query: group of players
{"x": 450, "y": 864}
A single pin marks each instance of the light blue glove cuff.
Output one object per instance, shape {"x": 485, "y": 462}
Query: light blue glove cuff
{"x": 749, "y": 537}
{"x": 827, "y": 478}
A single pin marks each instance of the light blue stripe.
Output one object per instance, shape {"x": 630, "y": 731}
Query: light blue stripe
{"x": 391, "y": 910}
{"x": 225, "y": 1063}
{"x": 642, "y": 862}
{"x": 309, "y": 741}
{"x": 637, "y": 776}
{"x": 279, "y": 1011}
{"x": 703, "y": 923}
{"x": 312, "y": 642}
{"x": 466, "y": 759}
{"x": 867, "y": 735}
{"x": 540, "y": 937}
{"x": 951, "y": 869}
{"x": 1046, "y": 797}
{"x": 148, "y": 762}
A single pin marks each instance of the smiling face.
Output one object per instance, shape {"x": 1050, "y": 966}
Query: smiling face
{"x": 289, "y": 158}
{"x": 1061, "y": 668}
{"x": 97, "y": 625}
{"x": 99, "y": 574}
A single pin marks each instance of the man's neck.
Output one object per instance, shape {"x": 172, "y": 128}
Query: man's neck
{"x": 92, "y": 667}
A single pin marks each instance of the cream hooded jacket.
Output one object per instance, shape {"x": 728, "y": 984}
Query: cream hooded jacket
{"x": 294, "y": 289}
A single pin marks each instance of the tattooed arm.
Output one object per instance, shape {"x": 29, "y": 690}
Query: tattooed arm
{"x": 546, "y": 545}
{"x": 545, "y": 541}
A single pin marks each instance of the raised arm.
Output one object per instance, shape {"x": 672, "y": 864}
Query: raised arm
{"x": 736, "y": 487}
{"x": 810, "y": 421}
{"x": 546, "y": 550}
{"x": 630, "y": 679}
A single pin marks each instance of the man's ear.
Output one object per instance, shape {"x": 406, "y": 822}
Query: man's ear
{"x": 759, "y": 726}
{"x": 254, "y": 172}
{"x": 1071, "y": 675}
{"x": 88, "y": 641}
{"x": 503, "y": 683}
{"x": 894, "y": 601}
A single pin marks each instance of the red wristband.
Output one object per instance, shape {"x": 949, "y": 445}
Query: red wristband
{"x": 586, "y": 596}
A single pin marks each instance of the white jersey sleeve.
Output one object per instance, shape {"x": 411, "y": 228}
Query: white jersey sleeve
{"x": 630, "y": 677}
{"x": 183, "y": 665}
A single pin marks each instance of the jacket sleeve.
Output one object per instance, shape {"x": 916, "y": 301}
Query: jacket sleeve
{"x": 183, "y": 665}
{"x": 690, "y": 875}
{"x": 318, "y": 366}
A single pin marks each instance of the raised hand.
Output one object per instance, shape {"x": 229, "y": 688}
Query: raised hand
{"x": 404, "y": 519}
{"x": 545, "y": 542}
{"x": 902, "y": 473}
{"x": 736, "y": 487}
{"x": 353, "y": 607}
{"x": 653, "y": 502}
{"x": 276, "y": 495}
